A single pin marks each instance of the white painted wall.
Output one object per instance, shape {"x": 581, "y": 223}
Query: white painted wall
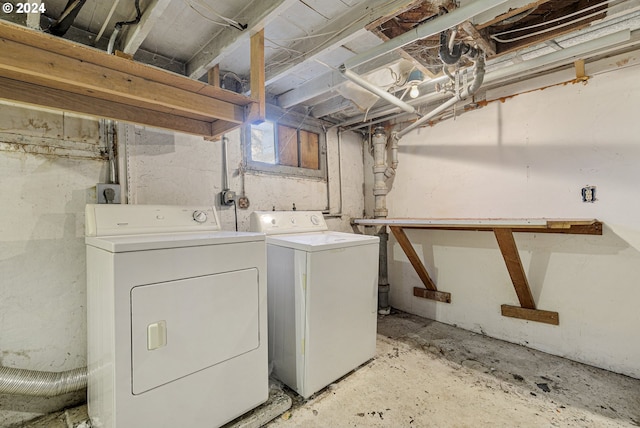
{"x": 49, "y": 165}
{"x": 172, "y": 168}
{"x": 529, "y": 157}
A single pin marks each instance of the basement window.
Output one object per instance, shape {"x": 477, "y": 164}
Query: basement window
{"x": 286, "y": 147}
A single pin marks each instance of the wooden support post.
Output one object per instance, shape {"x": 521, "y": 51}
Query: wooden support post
{"x": 431, "y": 292}
{"x": 213, "y": 76}
{"x": 257, "y": 110}
{"x": 514, "y": 265}
{"x": 415, "y": 261}
{"x": 580, "y": 73}
{"x": 511, "y": 257}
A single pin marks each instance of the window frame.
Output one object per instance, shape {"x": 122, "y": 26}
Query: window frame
{"x": 298, "y": 122}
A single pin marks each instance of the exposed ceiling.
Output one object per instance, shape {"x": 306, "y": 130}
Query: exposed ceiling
{"x": 309, "y": 42}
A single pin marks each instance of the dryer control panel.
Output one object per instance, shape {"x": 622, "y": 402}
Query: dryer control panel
{"x": 281, "y": 222}
{"x": 116, "y": 219}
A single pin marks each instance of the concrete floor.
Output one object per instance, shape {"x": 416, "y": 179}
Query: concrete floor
{"x": 428, "y": 374}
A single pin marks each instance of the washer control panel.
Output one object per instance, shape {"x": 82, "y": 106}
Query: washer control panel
{"x": 281, "y": 222}
{"x": 118, "y": 219}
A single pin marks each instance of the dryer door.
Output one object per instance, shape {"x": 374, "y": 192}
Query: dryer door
{"x": 181, "y": 327}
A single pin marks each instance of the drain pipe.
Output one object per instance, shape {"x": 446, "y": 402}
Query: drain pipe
{"x": 478, "y": 77}
{"x": 376, "y": 90}
{"x": 381, "y": 173}
{"x": 41, "y": 384}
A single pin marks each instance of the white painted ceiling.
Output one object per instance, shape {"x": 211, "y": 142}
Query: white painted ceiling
{"x": 306, "y": 41}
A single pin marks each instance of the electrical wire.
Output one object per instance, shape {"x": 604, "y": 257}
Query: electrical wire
{"x": 230, "y": 23}
{"x": 235, "y": 210}
{"x": 498, "y": 39}
{"x": 135, "y": 20}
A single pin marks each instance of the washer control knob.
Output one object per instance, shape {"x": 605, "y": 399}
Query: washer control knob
{"x": 315, "y": 220}
{"x": 200, "y": 216}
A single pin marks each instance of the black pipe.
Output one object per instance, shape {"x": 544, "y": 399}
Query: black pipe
{"x": 71, "y": 10}
{"x": 459, "y": 49}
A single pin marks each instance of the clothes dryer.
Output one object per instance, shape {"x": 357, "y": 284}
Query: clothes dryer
{"x": 176, "y": 309}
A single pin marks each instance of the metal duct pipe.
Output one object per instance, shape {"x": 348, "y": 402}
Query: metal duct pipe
{"x": 468, "y": 91}
{"x": 376, "y": 90}
{"x": 41, "y": 384}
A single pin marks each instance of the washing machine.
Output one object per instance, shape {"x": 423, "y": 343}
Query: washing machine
{"x": 177, "y": 320}
{"x": 322, "y": 298}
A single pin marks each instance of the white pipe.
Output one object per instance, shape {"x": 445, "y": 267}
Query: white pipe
{"x": 469, "y": 90}
{"x": 380, "y": 188}
{"x": 106, "y": 21}
{"x": 376, "y": 90}
{"x": 540, "y": 63}
{"x": 41, "y": 384}
{"x": 112, "y": 39}
{"x": 428, "y": 29}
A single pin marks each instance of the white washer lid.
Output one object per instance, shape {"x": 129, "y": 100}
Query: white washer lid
{"x": 321, "y": 241}
{"x": 126, "y": 243}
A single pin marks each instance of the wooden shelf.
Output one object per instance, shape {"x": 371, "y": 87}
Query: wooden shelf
{"x": 49, "y": 71}
{"x": 503, "y": 230}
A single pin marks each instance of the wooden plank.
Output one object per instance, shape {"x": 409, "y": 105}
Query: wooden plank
{"x": 514, "y": 265}
{"x": 57, "y": 70}
{"x": 415, "y": 261}
{"x": 258, "y": 110}
{"x": 91, "y": 55}
{"x": 568, "y": 226}
{"x": 536, "y": 315}
{"x": 58, "y": 99}
{"x": 309, "y": 150}
{"x": 287, "y": 146}
{"x": 138, "y": 33}
{"x": 439, "y": 296}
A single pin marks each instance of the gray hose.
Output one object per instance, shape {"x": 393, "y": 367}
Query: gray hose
{"x": 41, "y": 384}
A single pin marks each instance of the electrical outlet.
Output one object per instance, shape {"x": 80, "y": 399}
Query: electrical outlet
{"x": 243, "y": 202}
{"x": 227, "y": 197}
{"x": 108, "y": 193}
{"x": 589, "y": 194}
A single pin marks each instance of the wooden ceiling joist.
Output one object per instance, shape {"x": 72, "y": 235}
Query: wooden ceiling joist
{"x": 56, "y": 73}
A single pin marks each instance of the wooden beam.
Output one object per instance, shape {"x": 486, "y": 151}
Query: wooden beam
{"x": 439, "y": 296}
{"x": 137, "y": 33}
{"x": 15, "y": 90}
{"x": 350, "y": 26}
{"x": 536, "y": 315}
{"x": 415, "y": 261}
{"x": 213, "y": 76}
{"x": 487, "y": 46}
{"x": 257, "y": 111}
{"x": 514, "y": 265}
{"x": 228, "y": 41}
{"x": 57, "y": 71}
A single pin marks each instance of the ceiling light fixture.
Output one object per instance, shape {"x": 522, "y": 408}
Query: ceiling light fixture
{"x": 415, "y": 78}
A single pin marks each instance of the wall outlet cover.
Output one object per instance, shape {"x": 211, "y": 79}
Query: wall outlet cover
{"x": 108, "y": 193}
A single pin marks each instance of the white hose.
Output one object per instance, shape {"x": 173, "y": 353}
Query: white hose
{"x": 41, "y": 384}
